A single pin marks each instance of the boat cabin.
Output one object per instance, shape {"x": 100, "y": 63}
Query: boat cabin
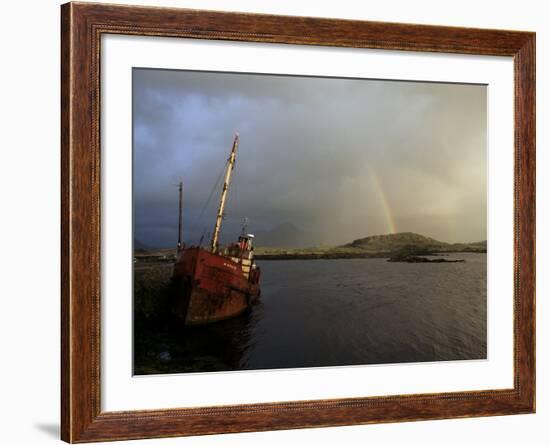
{"x": 245, "y": 242}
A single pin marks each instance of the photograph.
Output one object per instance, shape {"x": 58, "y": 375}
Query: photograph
{"x": 284, "y": 221}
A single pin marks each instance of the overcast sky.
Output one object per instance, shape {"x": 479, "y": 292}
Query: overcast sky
{"x": 334, "y": 159}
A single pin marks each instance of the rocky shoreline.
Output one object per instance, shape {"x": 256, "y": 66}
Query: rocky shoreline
{"x": 414, "y": 257}
{"x": 409, "y": 257}
{"x": 401, "y": 247}
{"x": 419, "y": 259}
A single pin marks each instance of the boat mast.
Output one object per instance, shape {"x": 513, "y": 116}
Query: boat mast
{"x": 180, "y": 216}
{"x": 219, "y": 217}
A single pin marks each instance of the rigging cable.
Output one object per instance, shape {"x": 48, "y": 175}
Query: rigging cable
{"x": 216, "y": 185}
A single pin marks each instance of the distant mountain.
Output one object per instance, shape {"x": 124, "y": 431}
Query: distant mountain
{"x": 286, "y": 235}
{"x": 410, "y": 241}
{"x": 139, "y": 246}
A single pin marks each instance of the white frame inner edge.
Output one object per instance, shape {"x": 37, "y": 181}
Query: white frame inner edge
{"x": 121, "y": 391}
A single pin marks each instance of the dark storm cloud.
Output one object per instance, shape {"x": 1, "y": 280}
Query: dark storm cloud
{"x": 338, "y": 159}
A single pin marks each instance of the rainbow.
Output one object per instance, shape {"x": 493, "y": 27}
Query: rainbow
{"x": 388, "y": 214}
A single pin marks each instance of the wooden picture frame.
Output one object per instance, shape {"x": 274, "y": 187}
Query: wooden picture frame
{"x": 82, "y": 25}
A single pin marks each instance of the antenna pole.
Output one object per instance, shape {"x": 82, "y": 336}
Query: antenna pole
{"x": 227, "y": 180}
{"x": 180, "y": 216}
{"x": 244, "y": 226}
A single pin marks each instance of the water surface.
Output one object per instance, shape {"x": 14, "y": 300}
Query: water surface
{"x": 345, "y": 312}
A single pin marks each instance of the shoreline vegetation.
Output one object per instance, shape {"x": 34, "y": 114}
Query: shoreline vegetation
{"x": 399, "y": 247}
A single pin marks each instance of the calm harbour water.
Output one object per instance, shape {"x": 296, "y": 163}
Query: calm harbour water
{"x": 347, "y": 312}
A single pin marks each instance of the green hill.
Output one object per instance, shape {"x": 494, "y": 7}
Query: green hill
{"x": 396, "y": 242}
{"x": 408, "y": 243}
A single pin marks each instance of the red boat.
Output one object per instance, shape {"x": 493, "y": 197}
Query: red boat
{"x": 220, "y": 282}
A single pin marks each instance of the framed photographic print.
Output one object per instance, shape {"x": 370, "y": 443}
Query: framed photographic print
{"x": 274, "y": 222}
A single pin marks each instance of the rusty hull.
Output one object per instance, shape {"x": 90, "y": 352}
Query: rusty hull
{"x": 211, "y": 287}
